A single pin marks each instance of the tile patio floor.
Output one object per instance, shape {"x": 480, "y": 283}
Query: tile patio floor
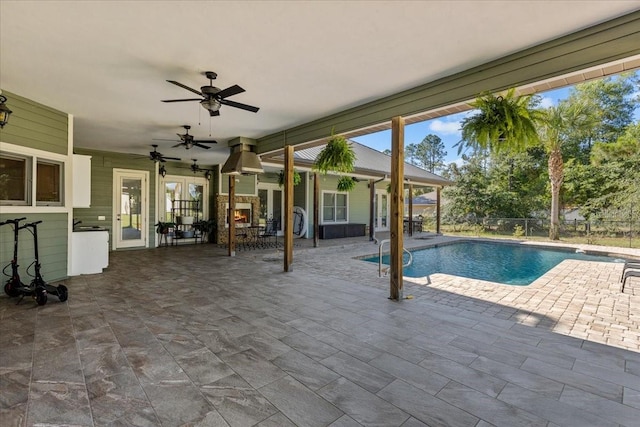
{"x": 187, "y": 336}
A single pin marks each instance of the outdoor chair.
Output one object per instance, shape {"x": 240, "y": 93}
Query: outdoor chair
{"x": 630, "y": 269}
{"x": 269, "y": 233}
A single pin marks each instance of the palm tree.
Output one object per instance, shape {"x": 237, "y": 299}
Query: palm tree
{"x": 513, "y": 123}
{"x": 553, "y": 131}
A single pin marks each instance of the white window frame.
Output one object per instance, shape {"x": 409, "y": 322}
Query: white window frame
{"x": 33, "y": 156}
{"x": 44, "y": 161}
{"x": 334, "y": 221}
{"x": 28, "y": 174}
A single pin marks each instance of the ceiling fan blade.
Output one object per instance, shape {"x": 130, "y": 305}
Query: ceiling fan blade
{"x": 162, "y": 139}
{"x": 185, "y": 87}
{"x": 201, "y": 146}
{"x": 177, "y": 145}
{"x": 230, "y": 91}
{"x": 239, "y": 105}
{"x": 210, "y": 141}
{"x": 214, "y": 113}
{"x": 170, "y": 158}
{"x": 181, "y": 100}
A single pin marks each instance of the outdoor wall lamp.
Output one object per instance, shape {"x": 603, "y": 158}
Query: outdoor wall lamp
{"x": 5, "y": 112}
{"x": 207, "y": 175}
{"x": 162, "y": 171}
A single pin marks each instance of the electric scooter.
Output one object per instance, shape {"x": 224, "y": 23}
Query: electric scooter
{"x": 14, "y": 286}
{"x": 38, "y": 282}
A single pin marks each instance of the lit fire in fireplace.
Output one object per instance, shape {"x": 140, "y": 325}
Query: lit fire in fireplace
{"x": 242, "y": 215}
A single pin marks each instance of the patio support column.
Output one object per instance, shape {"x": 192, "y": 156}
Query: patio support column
{"x": 231, "y": 215}
{"x": 316, "y": 209}
{"x": 288, "y": 208}
{"x": 410, "y": 212}
{"x": 372, "y": 207}
{"x": 397, "y": 207}
{"x": 438, "y": 209}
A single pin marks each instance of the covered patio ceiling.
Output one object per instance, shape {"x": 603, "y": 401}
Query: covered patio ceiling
{"x": 301, "y": 62}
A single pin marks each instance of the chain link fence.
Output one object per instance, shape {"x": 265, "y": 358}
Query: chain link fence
{"x": 621, "y": 233}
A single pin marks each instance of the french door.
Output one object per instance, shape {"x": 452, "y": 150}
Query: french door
{"x": 175, "y": 187}
{"x": 271, "y": 203}
{"x": 381, "y": 211}
{"x": 130, "y": 208}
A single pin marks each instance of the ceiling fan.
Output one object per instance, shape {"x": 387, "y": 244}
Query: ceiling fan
{"x": 156, "y": 156}
{"x": 195, "y": 169}
{"x": 212, "y": 97}
{"x": 188, "y": 140}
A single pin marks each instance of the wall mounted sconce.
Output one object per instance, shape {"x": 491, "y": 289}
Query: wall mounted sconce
{"x": 5, "y": 112}
{"x": 207, "y": 175}
{"x": 162, "y": 171}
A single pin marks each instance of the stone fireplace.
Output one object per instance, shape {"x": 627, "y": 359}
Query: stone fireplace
{"x": 247, "y": 213}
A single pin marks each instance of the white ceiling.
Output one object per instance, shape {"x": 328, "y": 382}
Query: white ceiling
{"x": 107, "y": 62}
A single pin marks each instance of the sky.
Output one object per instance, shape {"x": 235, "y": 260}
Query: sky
{"x": 448, "y": 128}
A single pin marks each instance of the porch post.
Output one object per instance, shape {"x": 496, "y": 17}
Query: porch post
{"x": 438, "y": 210}
{"x": 372, "y": 206}
{"x": 397, "y": 207}
{"x": 231, "y": 215}
{"x": 316, "y": 210}
{"x": 410, "y": 210}
{"x": 288, "y": 208}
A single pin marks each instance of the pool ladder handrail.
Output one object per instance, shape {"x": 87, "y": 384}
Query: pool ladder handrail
{"x": 386, "y": 270}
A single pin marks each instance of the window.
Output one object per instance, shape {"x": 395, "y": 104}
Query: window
{"x": 29, "y": 180}
{"x": 14, "y": 181}
{"x": 334, "y": 207}
{"x": 48, "y": 183}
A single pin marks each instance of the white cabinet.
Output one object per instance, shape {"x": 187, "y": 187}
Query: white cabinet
{"x": 89, "y": 252}
{"x": 81, "y": 181}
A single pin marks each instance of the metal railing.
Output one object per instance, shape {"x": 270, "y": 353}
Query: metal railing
{"x": 386, "y": 270}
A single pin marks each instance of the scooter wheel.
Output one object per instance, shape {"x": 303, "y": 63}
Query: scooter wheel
{"x": 63, "y": 293}
{"x": 41, "y": 296}
{"x": 10, "y": 289}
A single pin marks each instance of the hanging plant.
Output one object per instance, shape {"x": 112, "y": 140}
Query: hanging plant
{"x": 337, "y": 156}
{"x": 297, "y": 179}
{"x": 502, "y": 122}
{"x": 346, "y": 183}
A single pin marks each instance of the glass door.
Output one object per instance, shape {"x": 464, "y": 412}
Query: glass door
{"x": 381, "y": 211}
{"x": 130, "y": 225}
{"x": 271, "y": 203}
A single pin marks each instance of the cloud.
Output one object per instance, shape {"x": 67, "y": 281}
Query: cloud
{"x": 547, "y": 102}
{"x": 446, "y": 128}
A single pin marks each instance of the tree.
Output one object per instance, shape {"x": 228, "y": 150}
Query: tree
{"x": 553, "y": 131}
{"x": 430, "y": 153}
{"x": 612, "y": 106}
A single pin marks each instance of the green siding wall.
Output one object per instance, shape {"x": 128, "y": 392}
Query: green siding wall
{"x": 35, "y": 126}
{"x": 102, "y": 165}
{"x": 358, "y": 199}
{"x": 52, "y": 245}
{"x": 299, "y": 192}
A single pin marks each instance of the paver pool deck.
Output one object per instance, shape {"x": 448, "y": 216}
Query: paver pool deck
{"x": 187, "y": 336}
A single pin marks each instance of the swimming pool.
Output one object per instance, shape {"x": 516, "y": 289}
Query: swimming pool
{"x": 503, "y": 263}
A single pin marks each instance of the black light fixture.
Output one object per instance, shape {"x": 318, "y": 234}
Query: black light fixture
{"x": 207, "y": 175}
{"x": 5, "y": 112}
{"x": 162, "y": 171}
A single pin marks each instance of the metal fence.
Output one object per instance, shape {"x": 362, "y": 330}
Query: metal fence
{"x": 601, "y": 232}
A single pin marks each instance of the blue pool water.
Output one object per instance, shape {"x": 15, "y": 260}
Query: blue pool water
{"x": 502, "y": 263}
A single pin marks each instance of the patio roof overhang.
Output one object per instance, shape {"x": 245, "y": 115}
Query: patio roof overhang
{"x": 605, "y": 49}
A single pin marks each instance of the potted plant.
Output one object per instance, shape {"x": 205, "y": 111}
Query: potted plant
{"x": 502, "y": 122}
{"x": 337, "y": 156}
{"x": 297, "y": 179}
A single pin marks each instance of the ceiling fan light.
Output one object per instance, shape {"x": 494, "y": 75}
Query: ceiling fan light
{"x": 210, "y": 104}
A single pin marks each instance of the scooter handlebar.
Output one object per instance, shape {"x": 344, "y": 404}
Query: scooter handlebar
{"x": 13, "y": 221}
